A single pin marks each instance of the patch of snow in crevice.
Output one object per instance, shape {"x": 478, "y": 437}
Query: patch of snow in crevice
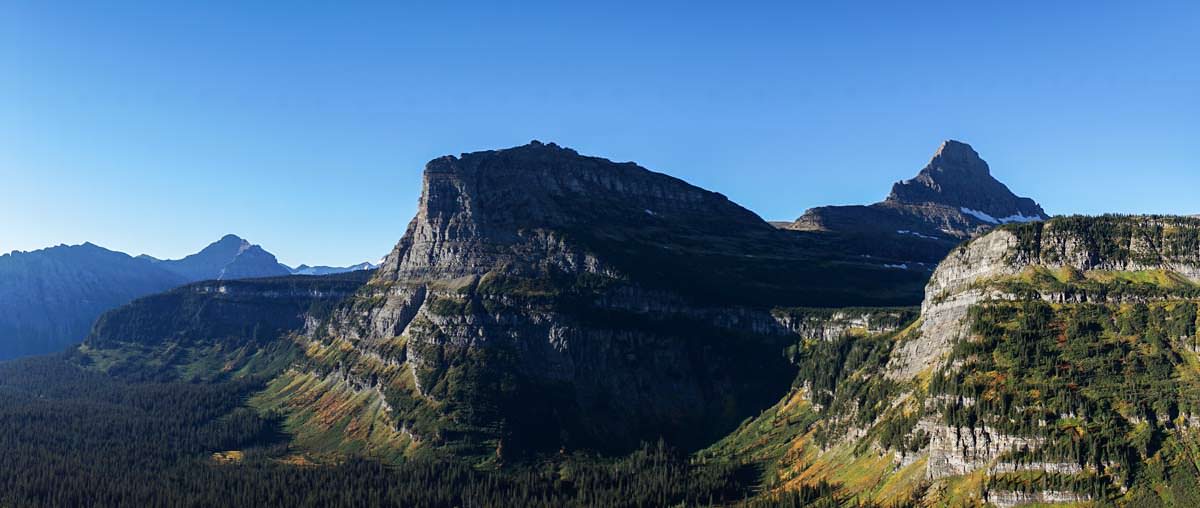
{"x": 901, "y": 266}
{"x": 979, "y": 215}
{"x": 1017, "y": 217}
{"x": 651, "y": 212}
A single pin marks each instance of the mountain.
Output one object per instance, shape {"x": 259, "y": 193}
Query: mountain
{"x": 544, "y": 300}
{"x": 952, "y": 198}
{"x": 546, "y": 313}
{"x": 49, "y": 297}
{"x": 1053, "y": 362}
{"x": 329, "y": 270}
{"x": 231, "y": 257}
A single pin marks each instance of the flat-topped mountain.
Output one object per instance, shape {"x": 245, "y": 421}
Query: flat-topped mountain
{"x": 952, "y": 198}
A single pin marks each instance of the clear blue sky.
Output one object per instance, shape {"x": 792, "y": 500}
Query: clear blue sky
{"x": 158, "y": 126}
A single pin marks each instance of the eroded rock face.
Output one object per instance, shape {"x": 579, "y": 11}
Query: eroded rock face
{"x": 1008, "y": 498}
{"x": 961, "y": 450}
{"x": 951, "y": 292}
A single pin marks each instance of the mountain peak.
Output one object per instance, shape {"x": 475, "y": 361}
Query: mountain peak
{"x": 954, "y": 196}
{"x": 230, "y": 257}
{"x": 957, "y": 177}
{"x": 232, "y": 239}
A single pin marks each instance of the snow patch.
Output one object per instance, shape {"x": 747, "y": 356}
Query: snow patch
{"x": 1017, "y": 217}
{"x": 979, "y": 215}
{"x": 901, "y": 266}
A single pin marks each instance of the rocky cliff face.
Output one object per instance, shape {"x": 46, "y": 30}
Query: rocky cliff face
{"x": 952, "y": 198}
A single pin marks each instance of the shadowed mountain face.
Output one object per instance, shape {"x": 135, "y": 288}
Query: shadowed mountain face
{"x": 49, "y": 298}
{"x": 953, "y": 198}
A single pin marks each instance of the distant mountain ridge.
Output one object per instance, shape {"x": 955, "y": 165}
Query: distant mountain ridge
{"x": 231, "y": 257}
{"x": 49, "y": 298}
{"x": 329, "y": 270}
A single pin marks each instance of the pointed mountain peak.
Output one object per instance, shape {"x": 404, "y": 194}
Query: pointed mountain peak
{"x": 232, "y": 239}
{"x": 228, "y": 246}
{"x": 957, "y": 177}
{"x": 230, "y": 257}
{"x": 953, "y": 151}
{"x": 955, "y": 159}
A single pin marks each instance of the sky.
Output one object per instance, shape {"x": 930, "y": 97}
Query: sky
{"x": 157, "y": 127}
